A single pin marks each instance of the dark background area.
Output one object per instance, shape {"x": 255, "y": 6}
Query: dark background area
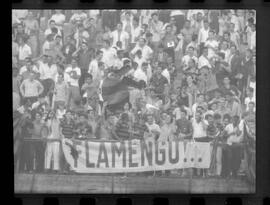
{"x": 263, "y": 100}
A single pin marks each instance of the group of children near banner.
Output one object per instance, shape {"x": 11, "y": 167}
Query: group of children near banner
{"x": 197, "y": 67}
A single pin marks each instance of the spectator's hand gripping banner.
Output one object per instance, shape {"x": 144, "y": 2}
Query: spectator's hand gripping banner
{"x": 134, "y": 156}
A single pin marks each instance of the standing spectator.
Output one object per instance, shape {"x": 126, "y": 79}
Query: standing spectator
{"x": 203, "y": 36}
{"x": 31, "y": 89}
{"x": 93, "y": 66}
{"x": 155, "y": 26}
{"x": 74, "y": 73}
{"x": 68, "y": 49}
{"x": 24, "y": 50}
{"x": 31, "y": 29}
{"x": 84, "y": 55}
{"x": 60, "y": 92}
{"x": 120, "y": 35}
{"x": 53, "y": 144}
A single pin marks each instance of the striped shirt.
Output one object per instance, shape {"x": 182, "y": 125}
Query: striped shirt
{"x": 139, "y": 129}
{"x": 122, "y": 130}
{"x": 67, "y": 128}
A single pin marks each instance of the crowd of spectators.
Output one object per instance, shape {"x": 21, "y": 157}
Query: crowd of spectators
{"x": 198, "y": 68}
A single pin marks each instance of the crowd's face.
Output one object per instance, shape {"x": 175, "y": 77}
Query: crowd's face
{"x": 226, "y": 121}
{"x": 141, "y": 42}
{"x": 199, "y": 16}
{"x": 198, "y": 116}
{"x": 189, "y": 80}
{"x": 187, "y": 24}
{"x": 119, "y": 27}
{"x": 226, "y": 81}
{"x": 20, "y": 28}
{"x": 233, "y": 50}
{"x": 168, "y": 29}
{"x": 73, "y": 63}
{"x": 52, "y": 24}
{"x": 38, "y": 117}
{"x": 206, "y": 24}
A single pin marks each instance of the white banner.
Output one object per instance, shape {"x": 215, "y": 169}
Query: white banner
{"x": 134, "y": 156}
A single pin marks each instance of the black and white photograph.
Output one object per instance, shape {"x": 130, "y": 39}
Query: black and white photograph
{"x": 134, "y": 101}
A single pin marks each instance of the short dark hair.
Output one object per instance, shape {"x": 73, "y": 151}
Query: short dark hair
{"x": 99, "y": 52}
{"x": 227, "y": 116}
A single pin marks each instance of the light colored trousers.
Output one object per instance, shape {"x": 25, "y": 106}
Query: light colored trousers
{"x": 52, "y": 153}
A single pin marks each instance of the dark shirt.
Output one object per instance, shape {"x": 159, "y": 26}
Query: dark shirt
{"x": 84, "y": 59}
{"x": 68, "y": 55}
{"x": 158, "y": 83}
{"x": 184, "y": 126}
{"x": 26, "y": 129}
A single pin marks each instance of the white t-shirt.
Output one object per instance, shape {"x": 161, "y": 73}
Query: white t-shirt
{"x": 46, "y": 71}
{"x": 187, "y": 58}
{"x": 212, "y": 44}
{"x": 135, "y": 33}
{"x": 234, "y": 138}
{"x": 198, "y": 130}
{"x": 72, "y": 81}
{"x": 203, "y": 35}
{"x": 124, "y": 36}
{"x": 108, "y": 57}
{"x": 248, "y": 100}
{"x": 24, "y": 69}
{"x": 146, "y": 51}
{"x": 203, "y": 62}
{"x": 24, "y": 52}
{"x": 93, "y": 69}
{"x": 166, "y": 74}
{"x": 139, "y": 74}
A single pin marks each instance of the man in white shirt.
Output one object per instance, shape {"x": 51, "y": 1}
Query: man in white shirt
{"x": 203, "y": 35}
{"x": 93, "y": 66}
{"x": 136, "y": 31}
{"x": 28, "y": 68}
{"x": 212, "y": 44}
{"x": 153, "y": 128}
{"x": 188, "y": 56}
{"x": 109, "y": 54}
{"x": 199, "y": 126}
{"x": 235, "y": 37}
{"x": 120, "y": 35}
{"x": 31, "y": 89}
{"x": 252, "y": 43}
{"x": 232, "y": 153}
{"x": 52, "y": 25}
{"x": 203, "y": 59}
{"x": 146, "y": 50}
{"x": 47, "y": 68}
{"x": 24, "y": 50}
{"x": 156, "y": 28}
{"x": 74, "y": 73}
